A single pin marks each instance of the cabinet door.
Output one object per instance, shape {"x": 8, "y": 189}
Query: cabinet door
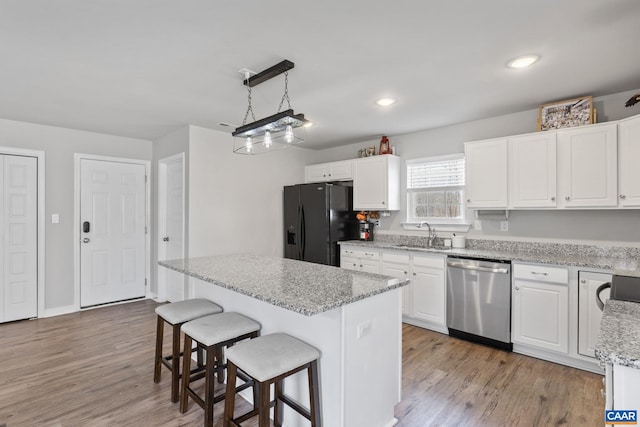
{"x": 587, "y": 166}
{"x": 428, "y": 293}
{"x": 370, "y": 183}
{"x": 541, "y": 315}
{"x": 369, "y": 265}
{"x": 400, "y": 271}
{"x": 349, "y": 263}
{"x": 338, "y": 171}
{"x": 532, "y": 171}
{"x": 589, "y": 313}
{"x": 628, "y": 155}
{"x": 486, "y": 174}
{"x": 316, "y": 173}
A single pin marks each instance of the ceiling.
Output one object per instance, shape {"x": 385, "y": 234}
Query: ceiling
{"x": 143, "y": 68}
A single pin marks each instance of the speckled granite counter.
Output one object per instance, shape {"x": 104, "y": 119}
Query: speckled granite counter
{"x": 621, "y": 260}
{"x": 303, "y": 287}
{"x": 619, "y": 339}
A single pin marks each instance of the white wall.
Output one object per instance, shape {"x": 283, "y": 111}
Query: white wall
{"x": 59, "y": 145}
{"x": 599, "y": 225}
{"x": 235, "y": 201}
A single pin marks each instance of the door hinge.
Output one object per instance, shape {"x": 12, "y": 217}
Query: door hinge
{"x": 145, "y": 229}
{"x": 145, "y": 178}
{"x": 145, "y": 282}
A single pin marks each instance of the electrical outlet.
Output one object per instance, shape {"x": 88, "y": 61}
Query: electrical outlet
{"x": 376, "y": 222}
{"x": 504, "y": 225}
{"x": 477, "y": 224}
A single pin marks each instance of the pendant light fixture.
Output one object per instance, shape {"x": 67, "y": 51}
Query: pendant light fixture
{"x": 280, "y": 130}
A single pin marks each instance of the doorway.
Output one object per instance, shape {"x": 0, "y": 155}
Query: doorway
{"x": 112, "y": 211}
{"x": 172, "y": 286}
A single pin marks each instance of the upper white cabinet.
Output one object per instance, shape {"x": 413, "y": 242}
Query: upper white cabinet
{"x": 628, "y": 155}
{"x": 532, "y": 171}
{"x": 376, "y": 183}
{"x": 588, "y": 167}
{"x": 486, "y": 173}
{"x": 334, "y": 171}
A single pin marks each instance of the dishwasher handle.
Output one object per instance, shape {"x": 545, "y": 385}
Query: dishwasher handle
{"x": 465, "y": 266}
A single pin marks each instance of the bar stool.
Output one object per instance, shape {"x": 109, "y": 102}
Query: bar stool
{"x": 175, "y": 314}
{"x": 213, "y": 333}
{"x": 268, "y": 360}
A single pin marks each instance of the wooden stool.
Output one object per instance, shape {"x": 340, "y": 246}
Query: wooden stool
{"x": 269, "y": 360}
{"x": 213, "y": 333}
{"x": 175, "y": 314}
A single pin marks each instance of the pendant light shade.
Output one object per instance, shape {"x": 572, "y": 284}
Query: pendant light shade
{"x": 280, "y": 130}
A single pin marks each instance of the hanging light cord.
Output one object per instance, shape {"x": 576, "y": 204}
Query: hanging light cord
{"x": 285, "y": 95}
{"x": 249, "y": 108}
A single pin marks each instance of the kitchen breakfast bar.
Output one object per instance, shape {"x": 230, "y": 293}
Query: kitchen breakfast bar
{"x": 353, "y": 318}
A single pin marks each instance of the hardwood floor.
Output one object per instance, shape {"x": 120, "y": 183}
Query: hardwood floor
{"x": 95, "y": 368}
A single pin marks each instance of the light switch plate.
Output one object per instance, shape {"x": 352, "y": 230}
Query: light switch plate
{"x": 55, "y": 218}
{"x": 504, "y": 225}
{"x": 477, "y": 224}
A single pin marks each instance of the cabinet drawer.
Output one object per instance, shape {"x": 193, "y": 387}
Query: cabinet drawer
{"x": 541, "y": 273}
{"x": 397, "y": 257}
{"x": 359, "y": 253}
{"x": 349, "y": 263}
{"x": 429, "y": 261}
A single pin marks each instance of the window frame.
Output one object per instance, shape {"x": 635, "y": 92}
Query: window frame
{"x": 409, "y": 193}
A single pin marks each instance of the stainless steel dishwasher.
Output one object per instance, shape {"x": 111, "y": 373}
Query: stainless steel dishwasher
{"x": 479, "y": 300}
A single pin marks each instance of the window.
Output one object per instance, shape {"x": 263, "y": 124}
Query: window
{"x": 435, "y": 190}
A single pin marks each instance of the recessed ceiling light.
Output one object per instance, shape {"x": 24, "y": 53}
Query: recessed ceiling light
{"x": 385, "y": 102}
{"x": 523, "y": 61}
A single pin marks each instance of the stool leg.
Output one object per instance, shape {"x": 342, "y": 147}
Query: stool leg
{"x": 219, "y": 364}
{"x": 209, "y": 386}
{"x": 186, "y": 378}
{"x": 200, "y": 355}
{"x": 175, "y": 364}
{"x": 157, "y": 371}
{"x": 264, "y": 404}
{"x": 230, "y": 396}
{"x": 314, "y": 394}
{"x": 278, "y": 408}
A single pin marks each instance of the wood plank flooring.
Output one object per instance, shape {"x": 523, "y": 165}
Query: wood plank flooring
{"x": 95, "y": 368}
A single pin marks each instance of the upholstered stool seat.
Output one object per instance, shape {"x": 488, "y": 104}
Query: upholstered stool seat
{"x": 269, "y": 360}
{"x": 213, "y": 333}
{"x": 176, "y": 314}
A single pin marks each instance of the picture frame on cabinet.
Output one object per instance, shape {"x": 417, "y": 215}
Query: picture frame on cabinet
{"x": 565, "y": 114}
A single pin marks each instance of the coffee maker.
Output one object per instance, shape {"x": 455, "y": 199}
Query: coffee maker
{"x": 366, "y": 230}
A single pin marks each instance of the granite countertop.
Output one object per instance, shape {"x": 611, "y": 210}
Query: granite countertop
{"x": 303, "y": 287}
{"x": 619, "y": 339}
{"x": 573, "y": 256}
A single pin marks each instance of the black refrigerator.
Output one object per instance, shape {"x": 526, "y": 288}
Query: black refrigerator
{"x": 316, "y": 218}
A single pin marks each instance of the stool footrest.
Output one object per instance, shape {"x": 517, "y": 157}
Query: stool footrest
{"x": 295, "y": 406}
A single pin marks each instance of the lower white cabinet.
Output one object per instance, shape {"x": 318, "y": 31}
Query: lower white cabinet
{"x": 423, "y": 301}
{"x": 353, "y": 258}
{"x": 540, "y": 310}
{"x": 622, "y": 388}
{"x": 589, "y": 314}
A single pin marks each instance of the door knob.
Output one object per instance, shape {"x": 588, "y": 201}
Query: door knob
{"x": 165, "y": 239}
{"x": 567, "y": 198}
{"x": 622, "y": 196}
{"x": 86, "y": 240}
{"x": 553, "y": 199}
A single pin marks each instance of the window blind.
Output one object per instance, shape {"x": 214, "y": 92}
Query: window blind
{"x": 434, "y": 174}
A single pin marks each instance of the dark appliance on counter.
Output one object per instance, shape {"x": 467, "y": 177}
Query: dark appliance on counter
{"x": 366, "y": 230}
{"x": 625, "y": 288}
{"x": 316, "y": 218}
{"x": 479, "y": 300}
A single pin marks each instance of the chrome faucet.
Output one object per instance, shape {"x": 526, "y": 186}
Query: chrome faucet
{"x": 432, "y": 234}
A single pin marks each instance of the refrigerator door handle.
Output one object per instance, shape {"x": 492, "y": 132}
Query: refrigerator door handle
{"x": 303, "y": 235}
{"x": 299, "y": 237}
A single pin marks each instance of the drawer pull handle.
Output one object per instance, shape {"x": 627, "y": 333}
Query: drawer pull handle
{"x": 539, "y": 274}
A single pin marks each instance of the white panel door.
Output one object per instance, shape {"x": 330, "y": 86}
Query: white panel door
{"x": 628, "y": 155}
{"x": 19, "y": 237}
{"x": 589, "y": 314}
{"x": 112, "y": 254}
{"x": 172, "y": 239}
{"x": 428, "y": 294}
{"x": 401, "y": 271}
{"x": 486, "y": 174}
{"x": 532, "y": 171}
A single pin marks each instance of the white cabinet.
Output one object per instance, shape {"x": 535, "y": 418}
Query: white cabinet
{"x": 428, "y": 288}
{"x": 376, "y": 183}
{"x": 532, "y": 171}
{"x": 540, "y": 310}
{"x": 486, "y": 173}
{"x": 628, "y": 155}
{"x": 353, "y": 258}
{"x": 398, "y": 265}
{"x": 626, "y": 388}
{"x": 589, "y": 314}
{"x": 423, "y": 301}
{"x": 334, "y": 171}
{"x": 587, "y": 167}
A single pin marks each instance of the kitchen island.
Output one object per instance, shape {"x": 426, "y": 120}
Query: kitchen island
{"x": 353, "y": 318}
